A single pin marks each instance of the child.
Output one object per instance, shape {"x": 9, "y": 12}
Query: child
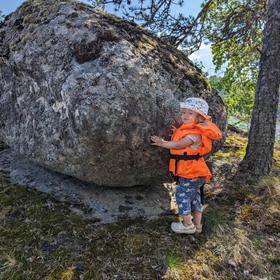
{"x": 189, "y": 143}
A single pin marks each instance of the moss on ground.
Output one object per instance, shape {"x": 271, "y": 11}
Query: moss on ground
{"x": 41, "y": 239}
{"x": 234, "y": 148}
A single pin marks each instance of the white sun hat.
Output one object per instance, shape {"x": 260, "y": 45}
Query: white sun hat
{"x": 196, "y": 104}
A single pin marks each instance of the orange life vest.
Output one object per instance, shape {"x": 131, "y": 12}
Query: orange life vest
{"x": 188, "y": 163}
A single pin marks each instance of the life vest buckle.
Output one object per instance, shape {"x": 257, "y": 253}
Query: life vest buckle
{"x": 185, "y": 156}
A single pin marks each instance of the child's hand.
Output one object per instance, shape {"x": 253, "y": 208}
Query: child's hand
{"x": 157, "y": 141}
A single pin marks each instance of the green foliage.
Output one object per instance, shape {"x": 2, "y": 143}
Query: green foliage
{"x": 173, "y": 261}
{"x": 238, "y": 94}
{"x": 235, "y": 30}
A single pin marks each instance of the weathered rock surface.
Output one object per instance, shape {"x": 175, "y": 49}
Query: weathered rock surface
{"x": 86, "y": 199}
{"x": 81, "y": 92}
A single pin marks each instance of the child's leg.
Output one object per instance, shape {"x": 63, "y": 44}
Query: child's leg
{"x": 184, "y": 201}
{"x": 197, "y": 206}
{"x": 187, "y": 219}
{"x": 197, "y": 218}
{"x": 184, "y": 208}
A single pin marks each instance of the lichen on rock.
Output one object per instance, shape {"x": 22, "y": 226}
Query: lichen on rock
{"x": 82, "y": 91}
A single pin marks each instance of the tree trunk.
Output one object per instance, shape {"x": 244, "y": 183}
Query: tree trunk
{"x": 259, "y": 153}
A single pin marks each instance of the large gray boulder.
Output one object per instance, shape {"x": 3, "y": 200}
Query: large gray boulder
{"x": 81, "y": 92}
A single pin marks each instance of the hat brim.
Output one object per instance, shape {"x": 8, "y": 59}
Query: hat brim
{"x": 184, "y": 106}
{"x": 204, "y": 116}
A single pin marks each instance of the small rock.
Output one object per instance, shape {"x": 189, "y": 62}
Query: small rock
{"x": 232, "y": 263}
{"x": 206, "y": 273}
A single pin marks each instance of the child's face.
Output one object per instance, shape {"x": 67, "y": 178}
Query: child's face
{"x": 189, "y": 116}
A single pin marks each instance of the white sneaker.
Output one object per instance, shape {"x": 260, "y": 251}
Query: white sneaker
{"x": 180, "y": 228}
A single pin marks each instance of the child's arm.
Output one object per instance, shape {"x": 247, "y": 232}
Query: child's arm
{"x": 176, "y": 145}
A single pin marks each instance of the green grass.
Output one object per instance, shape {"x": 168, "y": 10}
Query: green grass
{"x": 41, "y": 239}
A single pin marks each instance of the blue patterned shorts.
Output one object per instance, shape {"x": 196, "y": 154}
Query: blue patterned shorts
{"x": 188, "y": 195}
